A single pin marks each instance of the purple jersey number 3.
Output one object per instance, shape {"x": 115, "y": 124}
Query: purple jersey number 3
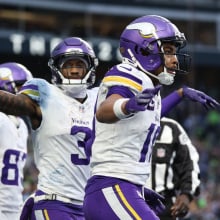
{"x": 85, "y": 144}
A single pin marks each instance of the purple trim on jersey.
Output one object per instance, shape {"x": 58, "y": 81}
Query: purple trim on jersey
{"x": 115, "y": 72}
{"x": 89, "y": 149}
{"x": 169, "y": 102}
{"x": 32, "y": 87}
{"x": 120, "y": 90}
{"x": 27, "y": 208}
{"x": 39, "y": 193}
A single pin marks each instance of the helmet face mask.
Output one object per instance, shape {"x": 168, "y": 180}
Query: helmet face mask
{"x": 142, "y": 39}
{"x": 73, "y": 48}
{"x": 12, "y": 76}
{"x": 184, "y": 61}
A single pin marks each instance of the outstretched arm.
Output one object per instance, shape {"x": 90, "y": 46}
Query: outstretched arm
{"x": 170, "y": 101}
{"x": 199, "y": 96}
{"x": 115, "y": 107}
{"x": 20, "y": 105}
{"x": 174, "y": 98}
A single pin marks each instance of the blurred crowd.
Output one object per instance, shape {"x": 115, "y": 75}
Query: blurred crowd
{"x": 204, "y": 130}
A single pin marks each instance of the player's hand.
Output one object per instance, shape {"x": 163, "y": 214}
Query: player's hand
{"x": 27, "y": 208}
{"x": 181, "y": 206}
{"x": 154, "y": 200}
{"x": 198, "y": 96}
{"x": 141, "y": 100}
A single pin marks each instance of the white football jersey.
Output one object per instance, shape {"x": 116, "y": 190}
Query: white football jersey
{"x": 61, "y": 140}
{"x": 13, "y": 152}
{"x": 123, "y": 149}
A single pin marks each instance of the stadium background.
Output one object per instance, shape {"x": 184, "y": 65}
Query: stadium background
{"x": 30, "y": 29}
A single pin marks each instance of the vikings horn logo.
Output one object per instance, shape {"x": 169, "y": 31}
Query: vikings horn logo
{"x": 5, "y": 74}
{"x": 146, "y": 30}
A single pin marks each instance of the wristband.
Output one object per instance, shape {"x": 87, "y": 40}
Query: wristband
{"x": 118, "y": 110}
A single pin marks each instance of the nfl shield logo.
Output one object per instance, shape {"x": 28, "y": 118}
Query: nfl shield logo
{"x": 161, "y": 152}
{"x": 82, "y": 109}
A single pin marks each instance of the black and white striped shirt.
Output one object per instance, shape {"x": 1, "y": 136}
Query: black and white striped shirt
{"x": 174, "y": 162}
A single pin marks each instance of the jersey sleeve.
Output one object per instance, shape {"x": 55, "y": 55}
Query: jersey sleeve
{"x": 36, "y": 89}
{"x": 124, "y": 75}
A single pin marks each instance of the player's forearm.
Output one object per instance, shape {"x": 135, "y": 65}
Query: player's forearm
{"x": 170, "y": 101}
{"x": 105, "y": 115}
{"x": 7, "y": 102}
{"x": 106, "y": 112}
{"x": 13, "y": 104}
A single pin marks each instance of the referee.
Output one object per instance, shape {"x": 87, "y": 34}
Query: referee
{"x": 175, "y": 170}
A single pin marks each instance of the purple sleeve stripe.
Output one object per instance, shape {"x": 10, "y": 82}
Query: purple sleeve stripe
{"x": 120, "y": 90}
{"x": 30, "y": 90}
{"x": 29, "y": 87}
{"x": 169, "y": 102}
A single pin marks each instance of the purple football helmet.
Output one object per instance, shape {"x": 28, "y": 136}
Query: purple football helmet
{"x": 73, "y": 47}
{"x": 142, "y": 39}
{"x": 13, "y": 75}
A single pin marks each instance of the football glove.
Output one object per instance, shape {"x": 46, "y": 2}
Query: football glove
{"x": 140, "y": 101}
{"x": 198, "y": 96}
{"x": 154, "y": 200}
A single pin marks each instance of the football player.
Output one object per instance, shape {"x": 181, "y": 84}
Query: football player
{"x": 127, "y": 119}
{"x": 13, "y": 144}
{"x": 61, "y": 117}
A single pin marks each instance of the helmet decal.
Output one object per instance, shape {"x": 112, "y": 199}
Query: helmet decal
{"x": 141, "y": 43}
{"x": 5, "y": 73}
{"x": 146, "y": 30}
{"x": 13, "y": 75}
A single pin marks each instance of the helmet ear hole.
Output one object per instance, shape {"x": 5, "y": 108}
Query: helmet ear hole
{"x": 144, "y": 52}
{"x": 136, "y": 49}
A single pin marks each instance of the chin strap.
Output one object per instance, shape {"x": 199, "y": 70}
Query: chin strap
{"x": 164, "y": 77}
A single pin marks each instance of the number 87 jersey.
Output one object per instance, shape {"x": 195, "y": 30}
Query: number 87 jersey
{"x": 13, "y": 150}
